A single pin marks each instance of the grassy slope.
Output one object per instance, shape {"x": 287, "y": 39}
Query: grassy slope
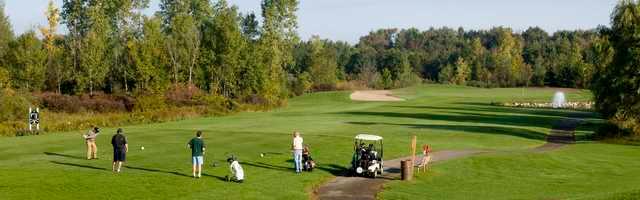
{"x": 587, "y": 170}
{"x": 51, "y": 166}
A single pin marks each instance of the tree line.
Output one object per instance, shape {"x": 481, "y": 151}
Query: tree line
{"x": 112, "y": 47}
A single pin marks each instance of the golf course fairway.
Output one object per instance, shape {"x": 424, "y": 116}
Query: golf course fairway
{"x": 53, "y": 166}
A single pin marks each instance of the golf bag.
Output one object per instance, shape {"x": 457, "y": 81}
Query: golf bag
{"x": 307, "y": 163}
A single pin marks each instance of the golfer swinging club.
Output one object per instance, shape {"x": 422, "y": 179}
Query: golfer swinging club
{"x": 90, "y": 139}
{"x": 197, "y": 151}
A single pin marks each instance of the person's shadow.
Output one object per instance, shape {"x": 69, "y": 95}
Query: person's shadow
{"x": 157, "y": 171}
{"x": 214, "y": 176}
{"x": 63, "y": 155}
{"x": 78, "y": 165}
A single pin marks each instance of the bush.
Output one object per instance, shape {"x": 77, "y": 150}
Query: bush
{"x": 409, "y": 79}
{"x": 351, "y": 85}
{"x": 183, "y": 95}
{"x": 214, "y": 104}
{"x": 149, "y": 102}
{"x": 99, "y": 102}
{"x": 324, "y": 87}
{"x": 300, "y": 84}
{"x": 15, "y": 106}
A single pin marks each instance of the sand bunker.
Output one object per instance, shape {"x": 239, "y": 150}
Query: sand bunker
{"x": 374, "y": 95}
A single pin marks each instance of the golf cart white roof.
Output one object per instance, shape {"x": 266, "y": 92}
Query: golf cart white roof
{"x": 368, "y": 137}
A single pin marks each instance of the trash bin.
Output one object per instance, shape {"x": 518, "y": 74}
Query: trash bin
{"x": 406, "y": 167}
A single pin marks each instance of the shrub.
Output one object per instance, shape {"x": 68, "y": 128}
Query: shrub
{"x": 351, "y": 85}
{"x": 14, "y": 105}
{"x": 324, "y": 87}
{"x": 183, "y": 95}
{"x": 149, "y": 102}
{"x": 214, "y": 104}
{"x": 99, "y": 102}
{"x": 60, "y": 103}
{"x": 5, "y": 81}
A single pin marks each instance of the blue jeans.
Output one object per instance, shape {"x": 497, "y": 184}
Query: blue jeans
{"x": 297, "y": 159}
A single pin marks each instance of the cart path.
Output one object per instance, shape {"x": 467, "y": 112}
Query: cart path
{"x": 343, "y": 187}
{"x": 360, "y": 188}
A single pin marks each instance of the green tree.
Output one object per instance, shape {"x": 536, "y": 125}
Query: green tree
{"x": 5, "y": 80}
{"x": 462, "y": 72}
{"x": 74, "y": 16}
{"x": 477, "y": 58}
{"x": 539, "y": 72}
{"x": 508, "y": 59}
{"x": 148, "y": 56}
{"x": 446, "y": 74}
{"x": 387, "y": 79}
{"x": 93, "y": 68}
{"x": 123, "y": 19}
{"x": 250, "y": 27}
{"x": 616, "y": 86}
{"x": 276, "y": 43}
{"x": 322, "y": 65}
{"x": 224, "y": 45}
{"x": 183, "y": 37}
{"x": 6, "y": 34}
{"x": 28, "y": 60}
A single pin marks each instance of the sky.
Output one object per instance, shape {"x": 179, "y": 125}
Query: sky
{"x": 348, "y": 20}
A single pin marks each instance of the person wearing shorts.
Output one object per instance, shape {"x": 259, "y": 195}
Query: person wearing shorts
{"x": 197, "y": 154}
{"x": 120, "y": 149}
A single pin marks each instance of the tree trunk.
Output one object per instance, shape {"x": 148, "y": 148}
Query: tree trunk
{"x": 190, "y": 73}
{"x": 126, "y": 86}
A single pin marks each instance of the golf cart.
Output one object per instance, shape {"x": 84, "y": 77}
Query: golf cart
{"x": 367, "y": 156}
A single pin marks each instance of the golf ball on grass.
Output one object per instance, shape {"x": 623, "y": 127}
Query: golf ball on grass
{"x": 262, "y": 155}
{"x": 142, "y": 148}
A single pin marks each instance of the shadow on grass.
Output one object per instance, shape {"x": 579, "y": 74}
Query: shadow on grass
{"x": 79, "y": 165}
{"x": 518, "y": 132}
{"x": 63, "y": 155}
{"x": 158, "y": 171}
{"x": 334, "y": 169}
{"x": 267, "y": 166}
{"x": 480, "y": 113}
{"x": 214, "y": 176}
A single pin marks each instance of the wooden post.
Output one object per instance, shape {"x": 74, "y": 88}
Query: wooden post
{"x": 413, "y": 151}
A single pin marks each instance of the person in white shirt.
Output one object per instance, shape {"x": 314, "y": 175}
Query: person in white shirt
{"x": 237, "y": 174}
{"x": 297, "y": 151}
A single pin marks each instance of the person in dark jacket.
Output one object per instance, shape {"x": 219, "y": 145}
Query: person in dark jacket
{"x": 120, "y": 149}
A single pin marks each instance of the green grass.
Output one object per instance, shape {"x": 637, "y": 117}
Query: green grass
{"x": 52, "y": 166}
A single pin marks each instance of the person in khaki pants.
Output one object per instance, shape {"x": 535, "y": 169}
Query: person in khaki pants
{"x": 90, "y": 139}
